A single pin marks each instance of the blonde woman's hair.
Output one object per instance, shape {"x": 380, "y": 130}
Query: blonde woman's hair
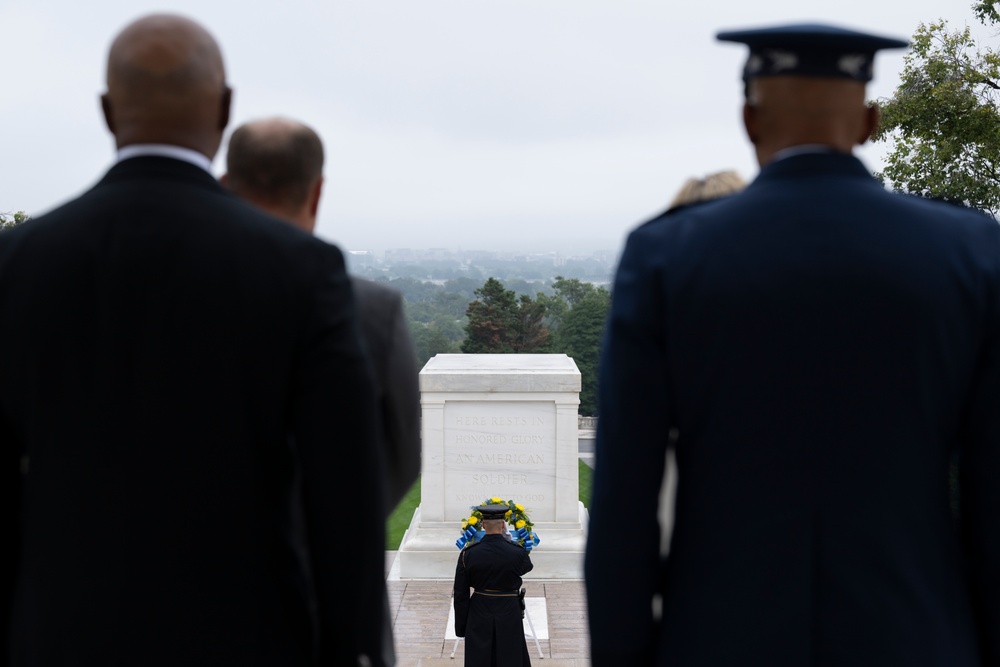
{"x": 712, "y": 186}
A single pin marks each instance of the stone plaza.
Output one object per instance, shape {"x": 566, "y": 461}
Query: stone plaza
{"x": 421, "y": 609}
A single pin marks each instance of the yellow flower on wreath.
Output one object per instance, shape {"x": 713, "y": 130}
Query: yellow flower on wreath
{"x": 519, "y": 507}
{"x": 496, "y": 501}
{"x": 507, "y": 516}
{"x": 473, "y": 520}
{"x": 520, "y": 523}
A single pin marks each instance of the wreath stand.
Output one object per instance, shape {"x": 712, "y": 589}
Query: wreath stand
{"x": 534, "y": 635}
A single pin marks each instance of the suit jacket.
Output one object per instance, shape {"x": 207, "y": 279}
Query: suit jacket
{"x": 171, "y": 359}
{"x": 387, "y": 337}
{"x": 824, "y": 348}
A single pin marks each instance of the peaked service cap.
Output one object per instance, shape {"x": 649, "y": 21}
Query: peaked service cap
{"x": 491, "y": 512}
{"x": 810, "y": 49}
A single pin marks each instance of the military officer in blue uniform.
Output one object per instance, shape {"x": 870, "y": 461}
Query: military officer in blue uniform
{"x": 824, "y": 349}
{"x": 490, "y": 618}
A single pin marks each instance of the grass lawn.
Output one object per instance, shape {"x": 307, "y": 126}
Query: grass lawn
{"x": 400, "y": 519}
{"x": 586, "y": 479}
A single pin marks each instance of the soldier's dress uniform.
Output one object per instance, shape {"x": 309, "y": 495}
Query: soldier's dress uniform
{"x": 490, "y": 618}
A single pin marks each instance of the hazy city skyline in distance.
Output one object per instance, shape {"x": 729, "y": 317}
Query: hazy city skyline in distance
{"x": 564, "y": 248}
{"x": 507, "y": 125}
{"x": 442, "y": 264}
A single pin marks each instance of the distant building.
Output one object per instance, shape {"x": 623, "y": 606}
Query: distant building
{"x": 400, "y": 256}
{"x": 361, "y": 259}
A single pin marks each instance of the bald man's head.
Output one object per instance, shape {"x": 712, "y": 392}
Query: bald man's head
{"x": 785, "y": 111}
{"x": 167, "y": 84}
{"x": 277, "y": 164}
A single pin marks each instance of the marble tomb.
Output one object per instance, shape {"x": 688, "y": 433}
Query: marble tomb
{"x": 498, "y": 425}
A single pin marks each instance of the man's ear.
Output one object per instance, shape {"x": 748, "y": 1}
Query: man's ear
{"x": 314, "y": 195}
{"x": 873, "y": 116}
{"x": 109, "y": 117}
{"x": 227, "y": 103}
{"x": 750, "y": 122}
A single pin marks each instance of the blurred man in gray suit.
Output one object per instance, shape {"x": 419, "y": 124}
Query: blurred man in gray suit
{"x": 277, "y": 165}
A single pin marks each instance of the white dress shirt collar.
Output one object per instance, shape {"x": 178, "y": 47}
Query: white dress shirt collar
{"x": 166, "y": 150}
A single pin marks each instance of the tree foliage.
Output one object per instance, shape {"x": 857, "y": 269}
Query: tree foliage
{"x": 578, "y": 312}
{"x": 9, "y": 220}
{"x": 986, "y": 11}
{"x": 569, "y": 320}
{"x": 435, "y": 314}
{"x": 500, "y": 322}
{"x": 530, "y": 332}
{"x": 429, "y": 340}
{"x": 943, "y": 121}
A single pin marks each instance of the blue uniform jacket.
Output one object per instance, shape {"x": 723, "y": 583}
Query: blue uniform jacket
{"x": 825, "y": 348}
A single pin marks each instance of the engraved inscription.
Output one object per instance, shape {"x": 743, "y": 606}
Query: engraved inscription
{"x": 479, "y": 420}
{"x": 503, "y": 448}
{"x": 500, "y": 459}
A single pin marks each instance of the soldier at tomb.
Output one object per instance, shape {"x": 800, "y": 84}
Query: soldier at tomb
{"x": 824, "y": 349}
{"x": 491, "y": 618}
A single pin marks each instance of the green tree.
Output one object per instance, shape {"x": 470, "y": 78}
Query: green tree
{"x": 573, "y": 290}
{"x": 429, "y": 340}
{"x": 943, "y": 121}
{"x": 492, "y": 318}
{"x": 580, "y": 338}
{"x": 8, "y": 220}
{"x": 578, "y": 331}
{"x": 500, "y": 322}
{"x": 986, "y": 11}
{"x": 530, "y": 334}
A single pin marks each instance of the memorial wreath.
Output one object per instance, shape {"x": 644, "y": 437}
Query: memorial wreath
{"x": 522, "y": 532}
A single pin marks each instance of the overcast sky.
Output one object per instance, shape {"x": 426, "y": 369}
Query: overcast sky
{"x": 510, "y": 124}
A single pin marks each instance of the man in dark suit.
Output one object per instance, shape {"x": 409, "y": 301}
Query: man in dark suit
{"x": 491, "y": 617}
{"x": 172, "y": 358}
{"x": 824, "y": 349}
{"x": 277, "y": 165}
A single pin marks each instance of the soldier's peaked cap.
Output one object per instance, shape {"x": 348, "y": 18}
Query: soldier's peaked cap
{"x": 810, "y": 49}
{"x": 493, "y": 511}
